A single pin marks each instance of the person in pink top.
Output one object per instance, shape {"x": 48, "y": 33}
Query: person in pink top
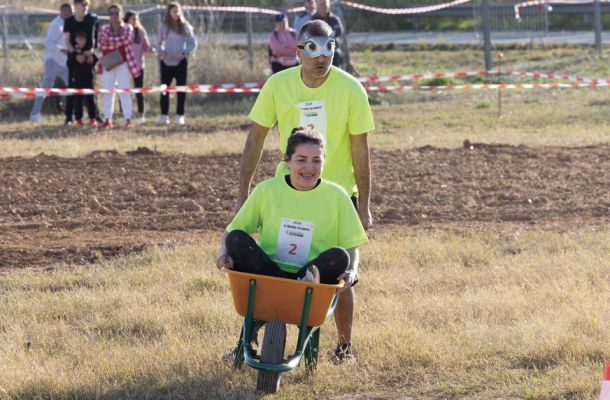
{"x": 282, "y": 45}
{"x": 139, "y": 47}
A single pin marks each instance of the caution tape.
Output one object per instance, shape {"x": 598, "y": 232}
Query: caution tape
{"x": 533, "y": 3}
{"x": 371, "y": 83}
{"x": 404, "y": 11}
{"x": 483, "y": 86}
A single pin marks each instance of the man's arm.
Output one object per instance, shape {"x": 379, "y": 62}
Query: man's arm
{"x": 250, "y": 158}
{"x": 362, "y": 172}
{"x": 351, "y": 274}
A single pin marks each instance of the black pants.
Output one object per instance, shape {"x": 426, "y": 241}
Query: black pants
{"x": 80, "y": 78}
{"x": 168, "y": 73}
{"x": 138, "y": 82}
{"x": 249, "y": 257}
{"x": 277, "y": 67}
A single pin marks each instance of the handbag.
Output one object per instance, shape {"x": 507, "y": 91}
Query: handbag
{"x": 112, "y": 59}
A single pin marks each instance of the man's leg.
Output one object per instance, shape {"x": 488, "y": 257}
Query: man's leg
{"x": 50, "y": 72}
{"x": 344, "y": 316}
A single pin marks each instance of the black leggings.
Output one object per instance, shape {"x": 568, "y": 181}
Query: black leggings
{"x": 168, "y": 73}
{"x": 249, "y": 257}
{"x": 138, "y": 82}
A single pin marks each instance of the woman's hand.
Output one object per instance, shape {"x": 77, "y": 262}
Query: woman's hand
{"x": 349, "y": 277}
{"x": 224, "y": 261}
{"x": 178, "y": 57}
{"x": 163, "y": 55}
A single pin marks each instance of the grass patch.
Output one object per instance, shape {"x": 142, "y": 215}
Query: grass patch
{"x": 518, "y": 313}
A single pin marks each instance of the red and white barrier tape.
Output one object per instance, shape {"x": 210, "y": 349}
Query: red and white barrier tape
{"x": 404, "y": 11}
{"x": 371, "y": 83}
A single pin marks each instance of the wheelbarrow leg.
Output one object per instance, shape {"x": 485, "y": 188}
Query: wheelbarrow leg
{"x": 312, "y": 350}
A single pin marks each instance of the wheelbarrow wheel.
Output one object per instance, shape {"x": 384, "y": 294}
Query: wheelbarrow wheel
{"x": 272, "y": 352}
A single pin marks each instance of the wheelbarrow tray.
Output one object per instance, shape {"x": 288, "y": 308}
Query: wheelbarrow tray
{"x": 281, "y": 298}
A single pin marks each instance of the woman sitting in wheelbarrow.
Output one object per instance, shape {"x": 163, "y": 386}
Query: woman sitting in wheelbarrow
{"x": 308, "y": 227}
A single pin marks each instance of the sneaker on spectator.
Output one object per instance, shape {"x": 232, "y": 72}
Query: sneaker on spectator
{"x": 142, "y": 120}
{"x": 80, "y": 122}
{"x": 180, "y": 119}
{"x": 35, "y": 117}
{"x": 107, "y": 124}
{"x": 128, "y": 123}
{"x": 93, "y": 121}
{"x": 163, "y": 120}
{"x": 68, "y": 122}
{"x": 311, "y": 275}
{"x": 342, "y": 354}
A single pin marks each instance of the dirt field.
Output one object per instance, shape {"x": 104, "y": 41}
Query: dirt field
{"x": 56, "y": 210}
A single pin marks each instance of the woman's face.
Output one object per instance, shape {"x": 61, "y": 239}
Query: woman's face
{"x": 115, "y": 15}
{"x": 132, "y": 20}
{"x": 174, "y": 13}
{"x": 305, "y": 166}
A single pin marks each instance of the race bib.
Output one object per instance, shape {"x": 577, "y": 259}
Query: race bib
{"x": 313, "y": 116}
{"x": 294, "y": 241}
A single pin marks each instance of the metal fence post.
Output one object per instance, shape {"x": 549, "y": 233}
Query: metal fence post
{"x": 4, "y": 42}
{"x": 486, "y": 35}
{"x": 349, "y": 66}
{"x": 597, "y": 11}
{"x": 250, "y": 53}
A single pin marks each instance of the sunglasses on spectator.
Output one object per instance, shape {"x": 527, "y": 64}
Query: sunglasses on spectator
{"x": 113, "y": 13}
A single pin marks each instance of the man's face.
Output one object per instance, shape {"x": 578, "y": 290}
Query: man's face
{"x": 115, "y": 15}
{"x": 65, "y": 13}
{"x": 316, "y": 55}
{"x": 310, "y": 6}
{"x": 323, "y": 6}
{"x": 80, "y": 8}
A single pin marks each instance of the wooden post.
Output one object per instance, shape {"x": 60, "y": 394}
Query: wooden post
{"x": 349, "y": 66}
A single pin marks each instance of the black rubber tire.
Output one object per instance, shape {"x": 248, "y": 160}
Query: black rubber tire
{"x": 272, "y": 352}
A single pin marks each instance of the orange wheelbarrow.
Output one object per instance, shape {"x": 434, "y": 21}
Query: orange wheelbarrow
{"x": 275, "y": 302}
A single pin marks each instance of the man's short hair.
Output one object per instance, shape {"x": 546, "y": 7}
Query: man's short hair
{"x": 316, "y": 27}
{"x": 65, "y": 6}
{"x": 83, "y": 2}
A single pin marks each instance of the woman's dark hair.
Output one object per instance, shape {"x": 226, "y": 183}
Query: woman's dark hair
{"x": 302, "y": 136}
{"x": 137, "y": 26}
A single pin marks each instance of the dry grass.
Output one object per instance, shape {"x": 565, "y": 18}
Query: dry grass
{"x": 520, "y": 314}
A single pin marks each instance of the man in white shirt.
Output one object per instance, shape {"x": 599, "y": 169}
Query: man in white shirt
{"x": 54, "y": 57}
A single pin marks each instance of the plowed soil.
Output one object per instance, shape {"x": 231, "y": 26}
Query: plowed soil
{"x": 57, "y": 210}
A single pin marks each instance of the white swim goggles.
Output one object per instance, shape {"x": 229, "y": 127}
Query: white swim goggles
{"x": 317, "y": 46}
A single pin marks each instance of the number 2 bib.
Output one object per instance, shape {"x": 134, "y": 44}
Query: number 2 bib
{"x": 313, "y": 116}
{"x": 294, "y": 241}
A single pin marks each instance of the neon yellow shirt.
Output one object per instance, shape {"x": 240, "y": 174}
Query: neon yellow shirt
{"x": 296, "y": 226}
{"x": 336, "y": 109}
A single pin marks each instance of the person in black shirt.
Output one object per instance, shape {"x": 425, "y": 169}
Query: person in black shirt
{"x": 323, "y": 13}
{"x": 82, "y": 64}
{"x": 81, "y": 21}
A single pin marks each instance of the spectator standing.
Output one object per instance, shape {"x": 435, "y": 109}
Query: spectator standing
{"x": 118, "y": 64}
{"x": 305, "y": 16}
{"x": 55, "y": 66}
{"x": 83, "y": 65}
{"x": 323, "y": 13}
{"x": 175, "y": 43}
{"x": 139, "y": 47}
{"x": 282, "y": 45}
{"x": 86, "y": 22}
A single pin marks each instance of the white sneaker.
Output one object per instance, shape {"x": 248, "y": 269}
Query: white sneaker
{"x": 35, "y": 117}
{"x": 312, "y": 275}
{"x": 163, "y": 120}
{"x": 180, "y": 119}
{"x": 142, "y": 120}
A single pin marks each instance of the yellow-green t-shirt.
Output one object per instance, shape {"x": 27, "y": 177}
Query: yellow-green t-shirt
{"x": 296, "y": 226}
{"x": 336, "y": 109}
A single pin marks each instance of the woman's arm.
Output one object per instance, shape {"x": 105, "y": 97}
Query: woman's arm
{"x": 351, "y": 274}
{"x": 191, "y": 41}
